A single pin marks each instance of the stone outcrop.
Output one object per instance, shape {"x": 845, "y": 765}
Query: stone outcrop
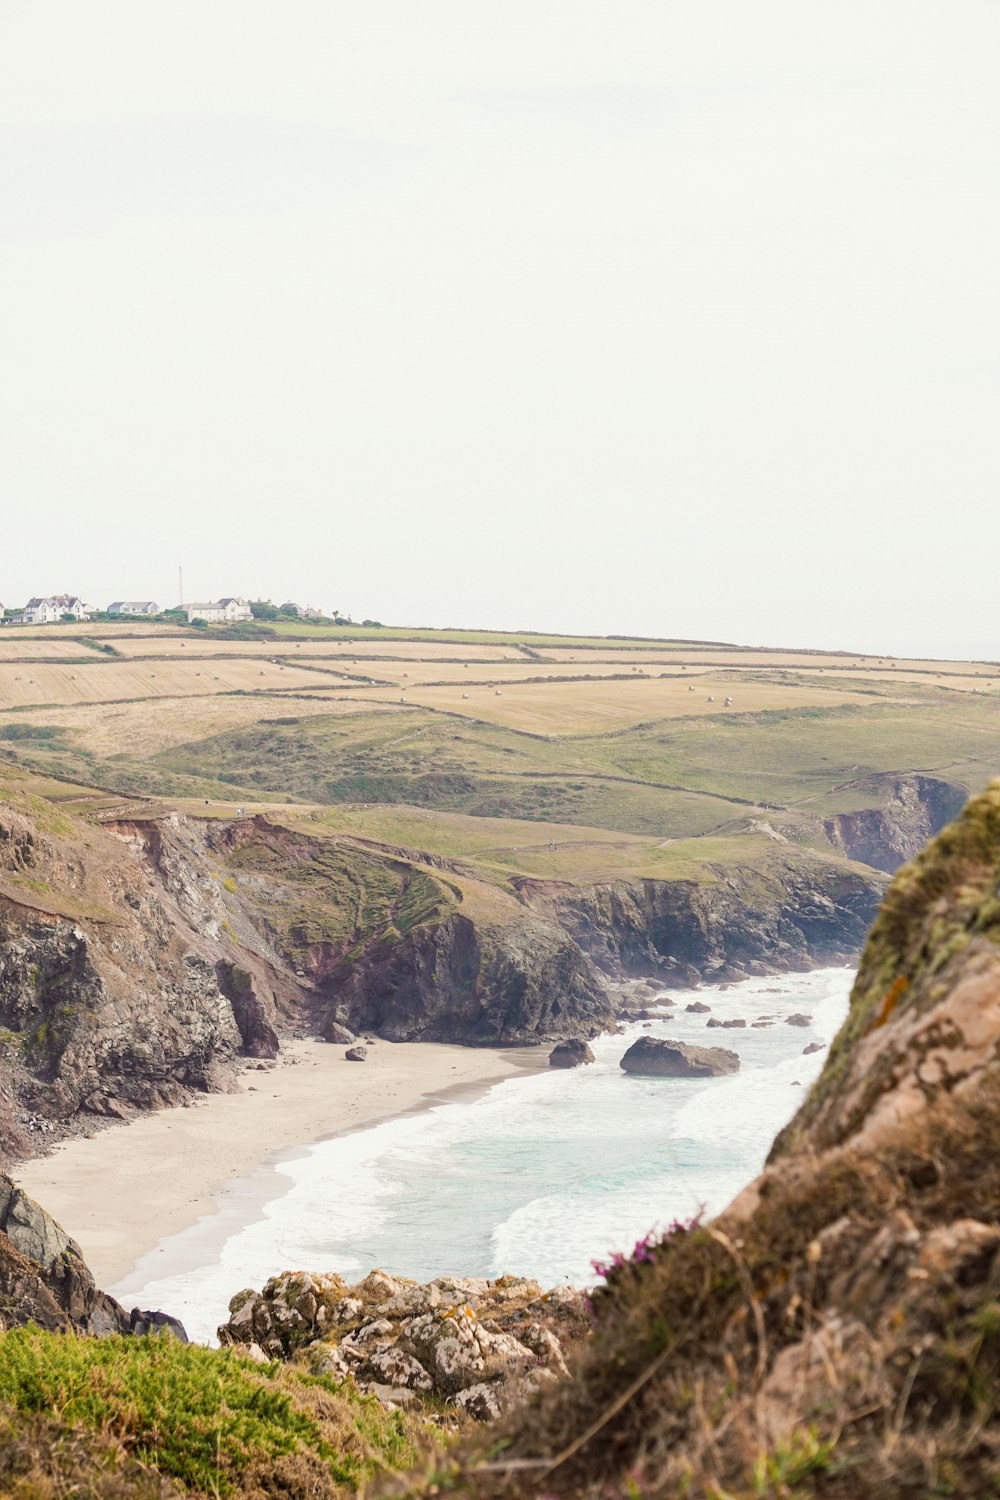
{"x": 572, "y": 1054}
{"x": 43, "y": 1277}
{"x": 655, "y": 1058}
{"x": 481, "y": 1346}
{"x": 45, "y": 1280}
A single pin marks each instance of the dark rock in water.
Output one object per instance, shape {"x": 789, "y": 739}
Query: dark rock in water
{"x": 356, "y": 1054}
{"x": 698, "y": 1008}
{"x": 571, "y": 1054}
{"x": 143, "y": 1322}
{"x": 713, "y": 1021}
{"x": 643, "y": 1015}
{"x": 340, "y": 1034}
{"x": 737, "y": 1024}
{"x": 798, "y": 1019}
{"x": 668, "y": 1059}
{"x": 812, "y": 1047}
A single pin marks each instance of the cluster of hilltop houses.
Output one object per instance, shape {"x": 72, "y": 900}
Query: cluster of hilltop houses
{"x": 228, "y": 611}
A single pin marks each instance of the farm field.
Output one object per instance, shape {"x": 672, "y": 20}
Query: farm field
{"x": 570, "y": 708}
{"x": 113, "y": 681}
{"x": 147, "y": 726}
{"x": 634, "y": 765}
{"x": 805, "y": 661}
{"x": 14, "y": 648}
{"x": 200, "y": 644}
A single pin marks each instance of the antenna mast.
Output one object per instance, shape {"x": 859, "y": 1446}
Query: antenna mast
{"x": 180, "y": 586}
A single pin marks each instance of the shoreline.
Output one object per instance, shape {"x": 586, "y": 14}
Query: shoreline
{"x": 123, "y": 1191}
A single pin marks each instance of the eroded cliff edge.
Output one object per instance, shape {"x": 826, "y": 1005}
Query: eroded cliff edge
{"x": 144, "y": 954}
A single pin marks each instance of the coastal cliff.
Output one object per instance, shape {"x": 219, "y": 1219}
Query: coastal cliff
{"x": 741, "y": 920}
{"x": 835, "y": 1333}
{"x": 143, "y": 958}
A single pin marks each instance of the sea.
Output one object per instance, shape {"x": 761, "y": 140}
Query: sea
{"x": 542, "y": 1175}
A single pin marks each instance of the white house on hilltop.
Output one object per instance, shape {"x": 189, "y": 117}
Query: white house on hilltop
{"x": 134, "y": 607}
{"x": 53, "y": 607}
{"x": 307, "y": 613}
{"x": 220, "y": 611}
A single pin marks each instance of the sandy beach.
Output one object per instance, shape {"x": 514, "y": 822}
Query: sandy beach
{"x": 121, "y": 1191}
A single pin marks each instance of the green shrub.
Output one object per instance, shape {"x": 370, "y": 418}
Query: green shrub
{"x": 211, "y": 1420}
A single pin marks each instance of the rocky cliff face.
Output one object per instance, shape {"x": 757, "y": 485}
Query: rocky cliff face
{"x": 798, "y": 915}
{"x": 43, "y": 1278}
{"x": 836, "y": 1332}
{"x": 912, "y": 810}
{"x": 476, "y": 982}
{"x": 112, "y": 965}
{"x": 141, "y": 959}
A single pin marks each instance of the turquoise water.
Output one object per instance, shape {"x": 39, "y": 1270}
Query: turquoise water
{"x": 538, "y": 1176}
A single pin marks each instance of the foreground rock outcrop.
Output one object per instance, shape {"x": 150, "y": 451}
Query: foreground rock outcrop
{"x": 836, "y": 1332}
{"x": 481, "y": 1346}
{"x": 43, "y": 1277}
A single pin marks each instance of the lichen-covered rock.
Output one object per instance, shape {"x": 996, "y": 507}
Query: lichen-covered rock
{"x": 483, "y": 1345}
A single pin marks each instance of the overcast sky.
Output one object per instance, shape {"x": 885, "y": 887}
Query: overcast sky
{"x": 659, "y": 317}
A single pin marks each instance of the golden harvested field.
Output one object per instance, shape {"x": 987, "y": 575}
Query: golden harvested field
{"x": 96, "y": 630}
{"x": 115, "y": 681}
{"x": 338, "y": 651}
{"x": 413, "y": 673}
{"x": 14, "y": 647}
{"x": 803, "y": 661}
{"x": 147, "y": 727}
{"x": 595, "y": 707}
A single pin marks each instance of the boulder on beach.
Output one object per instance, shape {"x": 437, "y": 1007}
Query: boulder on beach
{"x": 340, "y": 1034}
{"x": 570, "y": 1054}
{"x": 356, "y": 1054}
{"x": 698, "y": 1008}
{"x": 798, "y": 1019}
{"x": 656, "y": 1058}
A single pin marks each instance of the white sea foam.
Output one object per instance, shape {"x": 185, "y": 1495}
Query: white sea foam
{"x": 534, "y": 1177}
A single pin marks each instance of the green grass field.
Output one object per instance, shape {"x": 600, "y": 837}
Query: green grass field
{"x": 491, "y": 768}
